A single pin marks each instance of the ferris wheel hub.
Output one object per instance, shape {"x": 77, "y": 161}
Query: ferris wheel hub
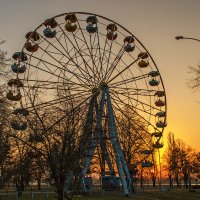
{"x": 102, "y": 84}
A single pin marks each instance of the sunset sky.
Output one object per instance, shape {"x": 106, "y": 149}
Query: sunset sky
{"x": 154, "y": 22}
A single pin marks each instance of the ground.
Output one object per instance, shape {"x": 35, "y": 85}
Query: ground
{"x": 174, "y": 194}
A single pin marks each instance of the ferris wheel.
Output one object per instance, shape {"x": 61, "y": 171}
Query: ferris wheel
{"x": 105, "y": 71}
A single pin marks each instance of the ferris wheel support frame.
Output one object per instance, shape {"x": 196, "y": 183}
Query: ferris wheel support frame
{"x": 119, "y": 156}
{"x": 120, "y": 159}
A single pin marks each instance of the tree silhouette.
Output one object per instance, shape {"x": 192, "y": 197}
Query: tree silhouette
{"x": 180, "y": 162}
{"x": 194, "y": 82}
{"x": 4, "y": 114}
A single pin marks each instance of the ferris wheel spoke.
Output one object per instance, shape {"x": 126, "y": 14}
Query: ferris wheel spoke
{"x": 81, "y": 77}
{"x": 135, "y": 122}
{"x": 114, "y": 64}
{"x": 39, "y": 61}
{"x": 46, "y": 50}
{"x": 140, "y": 137}
{"x": 140, "y": 124}
{"x": 60, "y": 84}
{"x": 100, "y": 55}
{"x": 60, "y": 77}
{"x": 108, "y": 59}
{"x": 75, "y": 56}
{"x": 45, "y": 105}
{"x": 77, "y": 49}
{"x": 97, "y": 61}
{"x": 127, "y": 67}
{"x": 45, "y": 86}
{"x": 139, "y": 91}
{"x": 88, "y": 48}
{"x": 122, "y": 103}
{"x": 44, "y": 63}
{"x": 47, "y": 67}
{"x": 40, "y": 81}
{"x": 93, "y": 56}
{"x": 56, "y": 53}
{"x": 57, "y": 101}
{"x": 132, "y": 108}
{"x": 129, "y": 80}
{"x": 85, "y": 72}
{"x": 132, "y": 91}
{"x": 70, "y": 86}
{"x": 68, "y": 112}
{"x": 130, "y": 99}
{"x": 56, "y": 67}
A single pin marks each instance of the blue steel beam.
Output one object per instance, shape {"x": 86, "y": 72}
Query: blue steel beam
{"x": 120, "y": 159}
{"x": 97, "y": 132}
{"x": 106, "y": 154}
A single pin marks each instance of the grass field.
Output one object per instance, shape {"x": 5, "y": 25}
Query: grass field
{"x": 174, "y": 194}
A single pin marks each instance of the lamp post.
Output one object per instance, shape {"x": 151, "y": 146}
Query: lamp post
{"x": 195, "y": 82}
{"x": 180, "y": 37}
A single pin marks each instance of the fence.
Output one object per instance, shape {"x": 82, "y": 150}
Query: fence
{"x": 27, "y": 195}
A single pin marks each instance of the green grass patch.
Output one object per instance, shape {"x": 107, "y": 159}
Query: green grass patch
{"x": 175, "y": 194}
{"x": 180, "y": 194}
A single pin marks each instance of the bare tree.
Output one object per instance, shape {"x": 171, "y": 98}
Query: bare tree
{"x": 21, "y": 159}
{"x": 194, "y": 83}
{"x": 4, "y": 113}
{"x": 53, "y": 136}
{"x": 195, "y": 166}
{"x": 4, "y": 65}
{"x": 179, "y": 158}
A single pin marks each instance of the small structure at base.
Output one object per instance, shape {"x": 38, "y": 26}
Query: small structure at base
{"x": 110, "y": 183}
